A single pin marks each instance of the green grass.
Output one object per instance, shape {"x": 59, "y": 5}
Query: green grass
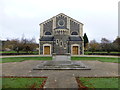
{"x": 88, "y": 52}
{"x": 100, "y": 82}
{"x": 16, "y": 52}
{"x": 8, "y": 52}
{"x": 102, "y": 59}
{"x": 22, "y": 82}
{"x": 20, "y": 59}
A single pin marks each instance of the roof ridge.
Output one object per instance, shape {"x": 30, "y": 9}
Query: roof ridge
{"x": 59, "y": 15}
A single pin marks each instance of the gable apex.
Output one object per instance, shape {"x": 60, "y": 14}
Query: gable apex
{"x": 61, "y": 14}
{"x": 68, "y": 17}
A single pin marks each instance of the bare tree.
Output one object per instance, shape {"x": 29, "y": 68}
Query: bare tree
{"x": 28, "y": 45}
{"x": 106, "y": 45}
{"x": 93, "y": 46}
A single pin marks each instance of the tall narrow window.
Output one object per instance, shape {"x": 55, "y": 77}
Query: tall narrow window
{"x": 57, "y": 41}
{"x": 61, "y": 43}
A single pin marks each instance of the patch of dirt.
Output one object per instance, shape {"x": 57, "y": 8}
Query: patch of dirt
{"x": 20, "y": 77}
{"x": 80, "y": 85}
{"x": 32, "y": 87}
{"x": 43, "y": 83}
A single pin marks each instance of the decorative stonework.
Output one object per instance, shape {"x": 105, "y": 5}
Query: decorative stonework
{"x": 62, "y": 28}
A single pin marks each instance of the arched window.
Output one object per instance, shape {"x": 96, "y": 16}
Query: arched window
{"x": 74, "y": 33}
{"x": 47, "y": 33}
{"x": 61, "y": 43}
{"x": 57, "y": 41}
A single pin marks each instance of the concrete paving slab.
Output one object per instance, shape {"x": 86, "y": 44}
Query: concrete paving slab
{"x": 56, "y": 77}
{"x": 61, "y": 82}
{"x": 26, "y": 68}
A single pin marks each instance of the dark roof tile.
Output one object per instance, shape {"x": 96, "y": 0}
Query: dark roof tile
{"x": 47, "y": 39}
{"x": 75, "y": 38}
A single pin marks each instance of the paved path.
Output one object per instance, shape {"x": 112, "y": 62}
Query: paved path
{"x": 61, "y": 58}
{"x": 60, "y": 78}
{"x": 51, "y": 55}
{"x": 61, "y": 81}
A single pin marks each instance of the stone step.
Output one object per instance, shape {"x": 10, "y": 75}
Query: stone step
{"x": 61, "y": 58}
{"x": 61, "y": 68}
{"x": 61, "y": 65}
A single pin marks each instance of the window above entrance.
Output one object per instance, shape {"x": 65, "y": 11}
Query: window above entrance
{"x": 74, "y": 33}
{"x": 47, "y": 33}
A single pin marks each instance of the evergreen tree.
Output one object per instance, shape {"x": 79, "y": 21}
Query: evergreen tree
{"x": 86, "y": 41}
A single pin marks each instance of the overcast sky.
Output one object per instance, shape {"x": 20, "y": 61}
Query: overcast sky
{"x": 18, "y": 17}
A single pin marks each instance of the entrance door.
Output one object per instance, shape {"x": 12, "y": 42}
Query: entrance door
{"x": 75, "y": 50}
{"x": 46, "y": 50}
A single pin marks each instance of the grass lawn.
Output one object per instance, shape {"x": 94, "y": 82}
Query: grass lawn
{"x": 20, "y": 59}
{"x": 22, "y": 82}
{"x": 100, "y": 82}
{"x": 88, "y": 52}
{"x": 102, "y": 59}
{"x": 16, "y": 52}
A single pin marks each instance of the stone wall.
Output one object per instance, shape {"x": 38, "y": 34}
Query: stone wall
{"x": 70, "y": 25}
{"x": 74, "y": 27}
{"x": 62, "y": 46}
{"x": 45, "y": 42}
{"x": 76, "y": 42}
{"x": 47, "y": 27}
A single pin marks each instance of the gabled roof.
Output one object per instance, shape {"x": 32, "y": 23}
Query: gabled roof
{"x": 47, "y": 38}
{"x": 60, "y": 15}
{"x": 75, "y": 38}
{"x": 51, "y": 38}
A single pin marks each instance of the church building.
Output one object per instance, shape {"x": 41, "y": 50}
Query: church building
{"x": 61, "y": 35}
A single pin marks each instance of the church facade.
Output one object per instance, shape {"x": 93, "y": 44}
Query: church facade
{"x": 61, "y": 35}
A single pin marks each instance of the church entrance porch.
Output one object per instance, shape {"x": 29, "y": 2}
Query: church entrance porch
{"x": 75, "y": 50}
{"x": 46, "y": 50}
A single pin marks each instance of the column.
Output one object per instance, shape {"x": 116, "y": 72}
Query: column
{"x": 41, "y": 30}
{"x": 54, "y": 24}
{"x": 83, "y": 48}
{"x": 39, "y": 47}
{"x": 81, "y": 29}
{"x": 68, "y": 24}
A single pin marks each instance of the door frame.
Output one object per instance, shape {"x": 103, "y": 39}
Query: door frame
{"x": 78, "y": 48}
{"x": 44, "y": 47}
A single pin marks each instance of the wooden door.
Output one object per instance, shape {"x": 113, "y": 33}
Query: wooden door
{"x": 46, "y": 50}
{"x": 75, "y": 50}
